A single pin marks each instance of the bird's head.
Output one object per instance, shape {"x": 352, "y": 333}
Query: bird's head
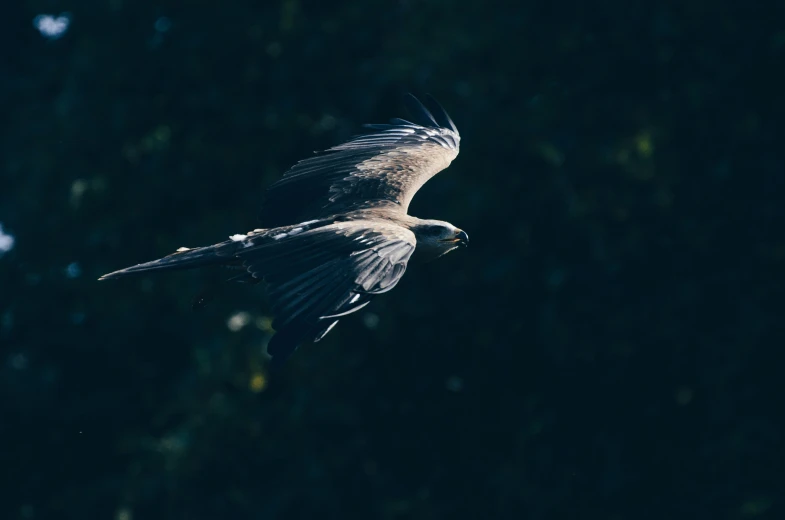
{"x": 436, "y": 238}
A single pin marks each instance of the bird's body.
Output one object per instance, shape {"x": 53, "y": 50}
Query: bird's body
{"x": 352, "y": 238}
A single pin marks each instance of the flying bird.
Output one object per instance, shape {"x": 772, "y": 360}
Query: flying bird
{"x": 338, "y": 232}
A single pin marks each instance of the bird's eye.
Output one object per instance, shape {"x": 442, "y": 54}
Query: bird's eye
{"x": 434, "y": 231}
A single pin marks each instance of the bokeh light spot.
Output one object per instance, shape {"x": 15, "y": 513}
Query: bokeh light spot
{"x": 238, "y": 321}
{"x": 6, "y": 241}
{"x": 258, "y": 382}
{"x": 52, "y": 27}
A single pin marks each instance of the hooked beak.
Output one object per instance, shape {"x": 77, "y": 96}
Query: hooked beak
{"x": 462, "y": 238}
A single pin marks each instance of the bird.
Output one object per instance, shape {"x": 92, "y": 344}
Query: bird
{"x": 337, "y": 232}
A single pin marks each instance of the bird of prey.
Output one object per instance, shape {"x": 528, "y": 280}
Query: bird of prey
{"x": 337, "y": 232}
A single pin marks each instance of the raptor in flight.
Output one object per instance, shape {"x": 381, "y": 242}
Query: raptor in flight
{"x": 337, "y": 230}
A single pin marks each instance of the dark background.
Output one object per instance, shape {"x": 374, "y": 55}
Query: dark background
{"x": 607, "y": 347}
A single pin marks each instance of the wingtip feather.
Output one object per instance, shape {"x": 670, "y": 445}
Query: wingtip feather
{"x": 416, "y": 107}
{"x": 439, "y": 109}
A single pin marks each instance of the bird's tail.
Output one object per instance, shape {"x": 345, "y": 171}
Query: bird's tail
{"x": 183, "y": 258}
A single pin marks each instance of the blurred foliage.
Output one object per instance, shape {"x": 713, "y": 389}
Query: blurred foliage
{"x": 607, "y": 347}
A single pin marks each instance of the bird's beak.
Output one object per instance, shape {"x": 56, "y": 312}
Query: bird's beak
{"x": 461, "y": 238}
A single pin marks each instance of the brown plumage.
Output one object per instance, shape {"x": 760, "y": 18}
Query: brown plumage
{"x": 353, "y": 239}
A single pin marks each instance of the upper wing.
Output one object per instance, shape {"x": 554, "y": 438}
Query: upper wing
{"x": 319, "y": 275}
{"x": 387, "y": 166}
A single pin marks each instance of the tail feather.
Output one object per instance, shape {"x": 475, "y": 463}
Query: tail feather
{"x": 183, "y": 258}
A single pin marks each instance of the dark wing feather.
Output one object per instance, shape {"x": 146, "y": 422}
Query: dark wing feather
{"x": 317, "y": 271}
{"x": 320, "y": 275}
{"x": 389, "y": 165}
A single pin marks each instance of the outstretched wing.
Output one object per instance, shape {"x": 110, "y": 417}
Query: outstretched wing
{"x": 388, "y": 166}
{"x": 316, "y": 271}
{"x": 317, "y": 276}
